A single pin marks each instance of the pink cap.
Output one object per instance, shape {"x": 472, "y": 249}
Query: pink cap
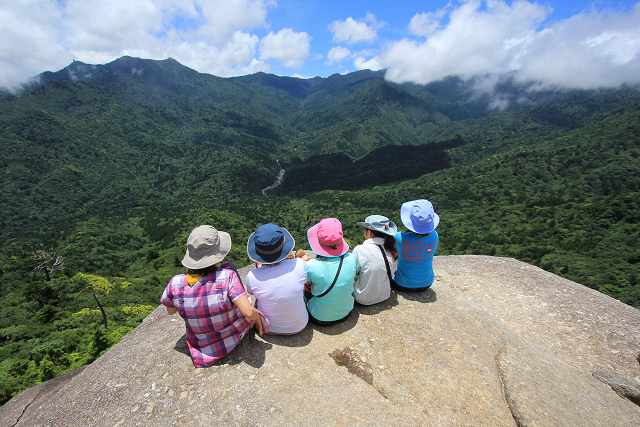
{"x": 326, "y": 239}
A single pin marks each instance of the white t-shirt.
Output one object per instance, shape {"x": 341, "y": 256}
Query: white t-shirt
{"x": 279, "y": 291}
{"x": 372, "y": 285}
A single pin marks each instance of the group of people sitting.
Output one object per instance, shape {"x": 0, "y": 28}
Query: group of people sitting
{"x": 291, "y": 289}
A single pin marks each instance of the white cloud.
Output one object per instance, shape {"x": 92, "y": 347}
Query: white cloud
{"x": 338, "y": 54}
{"x": 472, "y": 42}
{"x": 587, "y": 50}
{"x": 425, "y": 24}
{"x": 251, "y": 68}
{"x": 110, "y": 26}
{"x": 223, "y": 17}
{"x": 240, "y": 49}
{"x": 209, "y": 36}
{"x": 29, "y": 41}
{"x": 372, "y": 64}
{"x": 352, "y": 31}
{"x": 465, "y": 38}
{"x": 286, "y": 46}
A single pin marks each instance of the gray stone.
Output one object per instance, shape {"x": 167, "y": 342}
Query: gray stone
{"x": 620, "y": 384}
{"x": 27, "y": 402}
{"x": 461, "y": 354}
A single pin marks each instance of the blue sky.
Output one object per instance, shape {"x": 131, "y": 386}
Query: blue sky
{"x": 568, "y": 43}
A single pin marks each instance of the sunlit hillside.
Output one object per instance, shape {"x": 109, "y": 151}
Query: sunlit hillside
{"x": 111, "y": 166}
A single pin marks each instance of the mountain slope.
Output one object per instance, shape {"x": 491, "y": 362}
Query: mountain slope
{"x": 103, "y": 139}
{"x": 112, "y": 166}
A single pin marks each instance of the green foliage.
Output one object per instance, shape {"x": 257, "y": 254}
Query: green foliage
{"x": 95, "y": 283}
{"x": 113, "y": 172}
{"x": 47, "y": 369}
{"x": 116, "y": 336}
{"x": 100, "y": 342}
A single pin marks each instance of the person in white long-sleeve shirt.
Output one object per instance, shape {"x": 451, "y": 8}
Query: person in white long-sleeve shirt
{"x": 373, "y": 285}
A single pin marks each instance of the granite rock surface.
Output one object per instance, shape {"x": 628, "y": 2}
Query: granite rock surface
{"x": 494, "y": 342}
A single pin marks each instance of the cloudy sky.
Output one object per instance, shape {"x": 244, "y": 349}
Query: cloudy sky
{"x": 574, "y": 43}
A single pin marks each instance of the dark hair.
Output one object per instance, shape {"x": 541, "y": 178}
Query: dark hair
{"x": 202, "y": 271}
{"x": 389, "y": 242}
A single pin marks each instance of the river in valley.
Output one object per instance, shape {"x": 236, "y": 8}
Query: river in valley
{"x": 277, "y": 182}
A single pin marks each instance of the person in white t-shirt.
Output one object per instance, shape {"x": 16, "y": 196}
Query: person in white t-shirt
{"x": 374, "y": 282}
{"x": 277, "y": 283}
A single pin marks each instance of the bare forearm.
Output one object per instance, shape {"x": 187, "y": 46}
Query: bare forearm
{"x": 245, "y": 307}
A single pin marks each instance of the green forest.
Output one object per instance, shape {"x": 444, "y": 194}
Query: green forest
{"x": 104, "y": 177}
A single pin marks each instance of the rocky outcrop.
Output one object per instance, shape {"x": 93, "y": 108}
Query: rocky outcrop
{"x": 620, "y": 384}
{"x": 494, "y": 342}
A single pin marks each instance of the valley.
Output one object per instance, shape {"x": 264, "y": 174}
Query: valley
{"x": 113, "y": 170}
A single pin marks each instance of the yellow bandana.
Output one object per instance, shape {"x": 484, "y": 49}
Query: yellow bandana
{"x": 192, "y": 279}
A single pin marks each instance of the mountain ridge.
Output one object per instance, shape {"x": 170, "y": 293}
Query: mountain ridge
{"x": 112, "y": 172}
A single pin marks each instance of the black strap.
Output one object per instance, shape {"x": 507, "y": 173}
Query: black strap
{"x": 386, "y": 262}
{"x": 334, "y": 280}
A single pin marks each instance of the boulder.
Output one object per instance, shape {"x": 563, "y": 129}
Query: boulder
{"x": 467, "y": 352}
{"x": 620, "y": 384}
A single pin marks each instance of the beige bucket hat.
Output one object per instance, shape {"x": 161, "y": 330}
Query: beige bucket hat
{"x": 206, "y": 246}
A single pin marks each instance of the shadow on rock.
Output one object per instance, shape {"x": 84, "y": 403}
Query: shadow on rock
{"x": 424, "y": 296}
{"x": 298, "y": 340}
{"x": 181, "y": 346}
{"x": 368, "y": 310}
{"x": 338, "y": 328}
{"x": 251, "y": 351}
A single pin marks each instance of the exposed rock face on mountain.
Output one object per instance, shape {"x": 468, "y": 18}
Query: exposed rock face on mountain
{"x": 495, "y": 342}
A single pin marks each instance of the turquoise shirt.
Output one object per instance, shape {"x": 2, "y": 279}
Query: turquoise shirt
{"x": 338, "y": 303}
{"x": 416, "y": 256}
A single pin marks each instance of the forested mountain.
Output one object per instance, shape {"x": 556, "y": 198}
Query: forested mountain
{"x": 111, "y": 166}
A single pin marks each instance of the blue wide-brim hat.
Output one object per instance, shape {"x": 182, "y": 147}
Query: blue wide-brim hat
{"x": 269, "y": 244}
{"x": 419, "y": 216}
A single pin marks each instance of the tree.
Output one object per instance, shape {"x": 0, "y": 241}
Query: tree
{"x": 100, "y": 341}
{"x": 47, "y": 263}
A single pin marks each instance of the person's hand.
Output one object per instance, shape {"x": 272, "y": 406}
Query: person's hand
{"x": 258, "y": 325}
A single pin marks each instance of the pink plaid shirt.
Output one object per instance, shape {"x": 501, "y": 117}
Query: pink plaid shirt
{"x": 215, "y": 325}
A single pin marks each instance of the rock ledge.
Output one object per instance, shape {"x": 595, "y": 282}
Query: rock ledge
{"x": 494, "y": 342}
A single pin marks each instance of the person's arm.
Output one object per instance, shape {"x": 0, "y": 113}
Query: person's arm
{"x": 301, "y": 254}
{"x": 167, "y": 299}
{"x": 355, "y": 253}
{"x": 249, "y": 311}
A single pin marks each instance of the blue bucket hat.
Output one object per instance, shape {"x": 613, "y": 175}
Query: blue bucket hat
{"x": 379, "y": 223}
{"x": 269, "y": 244}
{"x": 419, "y": 216}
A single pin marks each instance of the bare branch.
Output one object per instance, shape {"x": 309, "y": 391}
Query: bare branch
{"x": 47, "y": 263}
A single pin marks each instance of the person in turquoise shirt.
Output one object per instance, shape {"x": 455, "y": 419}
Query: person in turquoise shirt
{"x": 329, "y": 294}
{"x": 416, "y": 247}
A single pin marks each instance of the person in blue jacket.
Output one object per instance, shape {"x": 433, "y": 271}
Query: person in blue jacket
{"x": 417, "y": 246}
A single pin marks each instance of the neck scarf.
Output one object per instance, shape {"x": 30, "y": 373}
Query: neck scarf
{"x": 192, "y": 279}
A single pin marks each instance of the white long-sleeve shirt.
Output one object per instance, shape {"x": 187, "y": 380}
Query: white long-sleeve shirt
{"x": 372, "y": 285}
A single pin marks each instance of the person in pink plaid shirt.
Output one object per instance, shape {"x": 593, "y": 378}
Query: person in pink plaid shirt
{"x": 210, "y": 298}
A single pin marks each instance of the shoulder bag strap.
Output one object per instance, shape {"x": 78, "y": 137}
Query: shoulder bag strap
{"x": 334, "y": 280}
{"x": 386, "y": 262}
